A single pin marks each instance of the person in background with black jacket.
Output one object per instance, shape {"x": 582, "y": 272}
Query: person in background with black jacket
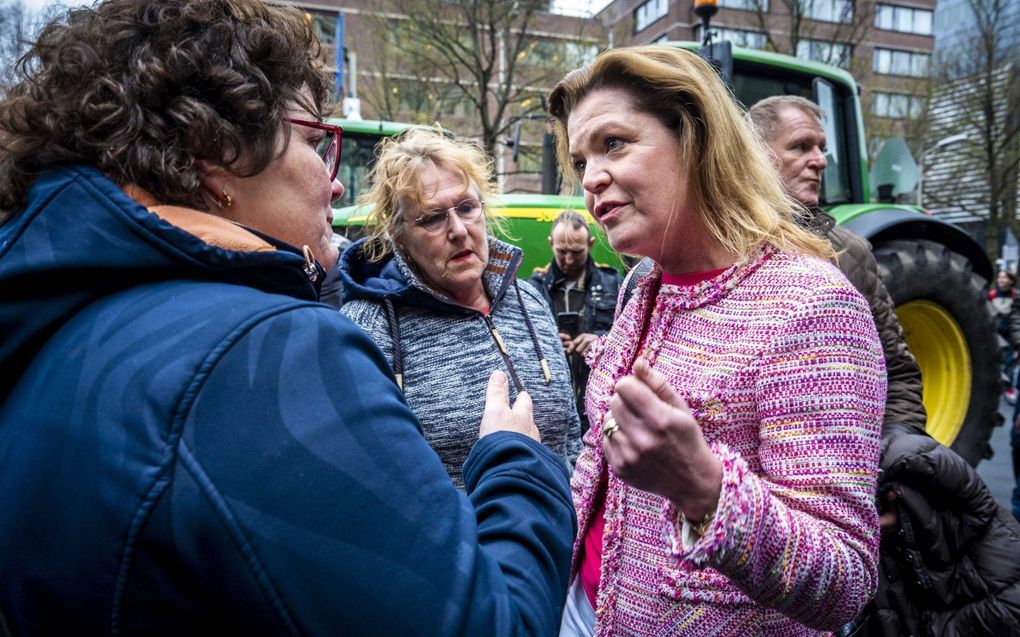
{"x": 1014, "y": 434}
{"x": 950, "y": 555}
{"x": 1001, "y": 297}
{"x": 574, "y": 283}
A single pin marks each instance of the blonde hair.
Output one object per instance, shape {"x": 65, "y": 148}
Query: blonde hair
{"x": 736, "y": 189}
{"x": 396, "y": 178}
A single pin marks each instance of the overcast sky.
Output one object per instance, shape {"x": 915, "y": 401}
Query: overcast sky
{"x": 35, "y": 4}
{"x": 38, "y": 4}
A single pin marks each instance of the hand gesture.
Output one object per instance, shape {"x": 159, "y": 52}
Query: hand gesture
{"x": 499, "y": 416}
{"x": 656, "y": 445}
{"x": 581, "y": 343}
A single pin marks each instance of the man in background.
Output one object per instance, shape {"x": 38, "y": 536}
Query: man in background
{"x": 932, "y": 504}
{"x": 581, "y": 294}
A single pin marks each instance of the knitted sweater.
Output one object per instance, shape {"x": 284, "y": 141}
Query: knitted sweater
{"x": 779, "y": 360}
{"x": 449, "y": 350}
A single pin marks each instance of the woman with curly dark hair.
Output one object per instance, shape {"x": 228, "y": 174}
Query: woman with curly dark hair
{"x": 189, "y": 441}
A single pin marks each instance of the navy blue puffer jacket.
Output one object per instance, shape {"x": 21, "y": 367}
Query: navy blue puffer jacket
{"x": 190, "y": 443}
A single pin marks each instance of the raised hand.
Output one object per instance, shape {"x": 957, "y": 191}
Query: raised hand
{"x": 656, "y": 445}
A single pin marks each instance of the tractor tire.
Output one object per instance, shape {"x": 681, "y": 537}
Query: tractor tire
{"x": 949, "y": 325}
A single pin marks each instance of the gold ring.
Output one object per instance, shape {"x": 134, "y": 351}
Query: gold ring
{"x": 609, "y": 427}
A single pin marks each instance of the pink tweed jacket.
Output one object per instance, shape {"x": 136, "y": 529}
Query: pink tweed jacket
{"x": 779, "y": 359}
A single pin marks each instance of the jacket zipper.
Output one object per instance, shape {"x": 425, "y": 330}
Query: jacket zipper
{"x": 501, "y": 346}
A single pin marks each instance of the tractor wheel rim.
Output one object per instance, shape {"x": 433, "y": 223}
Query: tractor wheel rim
{"x": 940, "y": 347}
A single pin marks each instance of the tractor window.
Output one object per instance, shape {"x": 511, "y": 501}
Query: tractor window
{"x": 356, "y": 159}
{"x": 751, "y": 87}
{"x": 752, "y": 83}
{"x": 836, "y": 180}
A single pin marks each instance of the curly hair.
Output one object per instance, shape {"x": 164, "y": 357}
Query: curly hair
{"x": 142, "y": 89}
{"x": 729, "y": 173}
{"x": 395, "y": 178}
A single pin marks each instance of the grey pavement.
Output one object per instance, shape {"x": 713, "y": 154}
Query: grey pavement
{"x": 998, "y": 471}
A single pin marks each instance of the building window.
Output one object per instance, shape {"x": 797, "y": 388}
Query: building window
{"x": 897, "y": 105}
{"x": 746, "y": 5}
{"x": 739, "y": 37}
{"x": 828, "y": 10}
{"x": 648, "y": 13}
{"x": 558, "y": 53}
{"x": 324, "y": 26}
{"x": 903, "y": 19}
{"x": 835, "y": 53}
{"x": 894, "y": 62}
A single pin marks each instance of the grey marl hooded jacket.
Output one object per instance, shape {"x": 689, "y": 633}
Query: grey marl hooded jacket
{"x": 447, "y": 352}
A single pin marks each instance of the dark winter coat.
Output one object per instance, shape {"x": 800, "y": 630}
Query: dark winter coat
{"x": 1013, "y": 326}
{"x": 191, "y": 444}
{"x": 601, "y": 289}
{"x": 602, "y": 286}
{"x": 953, "y": 567}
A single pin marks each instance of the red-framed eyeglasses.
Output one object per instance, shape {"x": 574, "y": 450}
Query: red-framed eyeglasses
{"x": 329, "y": 147}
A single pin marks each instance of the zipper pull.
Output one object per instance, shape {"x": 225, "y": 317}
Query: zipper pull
{"x": 503, "y": 352}
{"x": 310, "y": 270}
{"x": 499, "y": 339}
{"x": 545, "y": 370}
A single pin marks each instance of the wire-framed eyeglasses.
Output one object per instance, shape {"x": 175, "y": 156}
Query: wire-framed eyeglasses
{"x": 329, "y": 147}
{"x": 438, "y": 219}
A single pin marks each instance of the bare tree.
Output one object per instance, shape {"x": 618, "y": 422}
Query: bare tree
{"x": 902, "y": 108}
{"x": 480, "y": 62}
{"x": 830, "y": 29}
{"x": 976, "y": 104}
{"x": 18, "y": 27}
{"x": 401, "y": 85}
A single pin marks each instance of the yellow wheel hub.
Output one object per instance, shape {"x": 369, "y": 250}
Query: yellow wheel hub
{"x": 937, "y": 342}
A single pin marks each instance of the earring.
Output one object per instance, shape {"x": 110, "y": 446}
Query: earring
{"x": 224, "y": 201}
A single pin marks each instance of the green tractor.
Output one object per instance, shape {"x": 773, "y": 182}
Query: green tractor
{"x": 935, "y": 272}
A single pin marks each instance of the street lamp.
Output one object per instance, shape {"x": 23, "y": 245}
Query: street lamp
{"x": 942, "y": 143}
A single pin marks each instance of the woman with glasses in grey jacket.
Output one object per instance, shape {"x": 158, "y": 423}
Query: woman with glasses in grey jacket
{"x": 439, "y": 295}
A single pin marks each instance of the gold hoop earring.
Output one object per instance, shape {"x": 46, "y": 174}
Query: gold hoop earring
{"x": 224, "y": 201}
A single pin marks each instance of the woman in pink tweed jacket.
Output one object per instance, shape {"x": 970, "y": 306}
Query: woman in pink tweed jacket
{"x": 729, "y": 489}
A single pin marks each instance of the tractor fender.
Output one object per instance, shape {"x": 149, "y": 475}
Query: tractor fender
{"x": 882, "y": 225}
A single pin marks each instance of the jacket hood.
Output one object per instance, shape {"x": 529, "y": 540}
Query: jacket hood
{"x": 394, "y": 278}
{"x": 81, "y": 237}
